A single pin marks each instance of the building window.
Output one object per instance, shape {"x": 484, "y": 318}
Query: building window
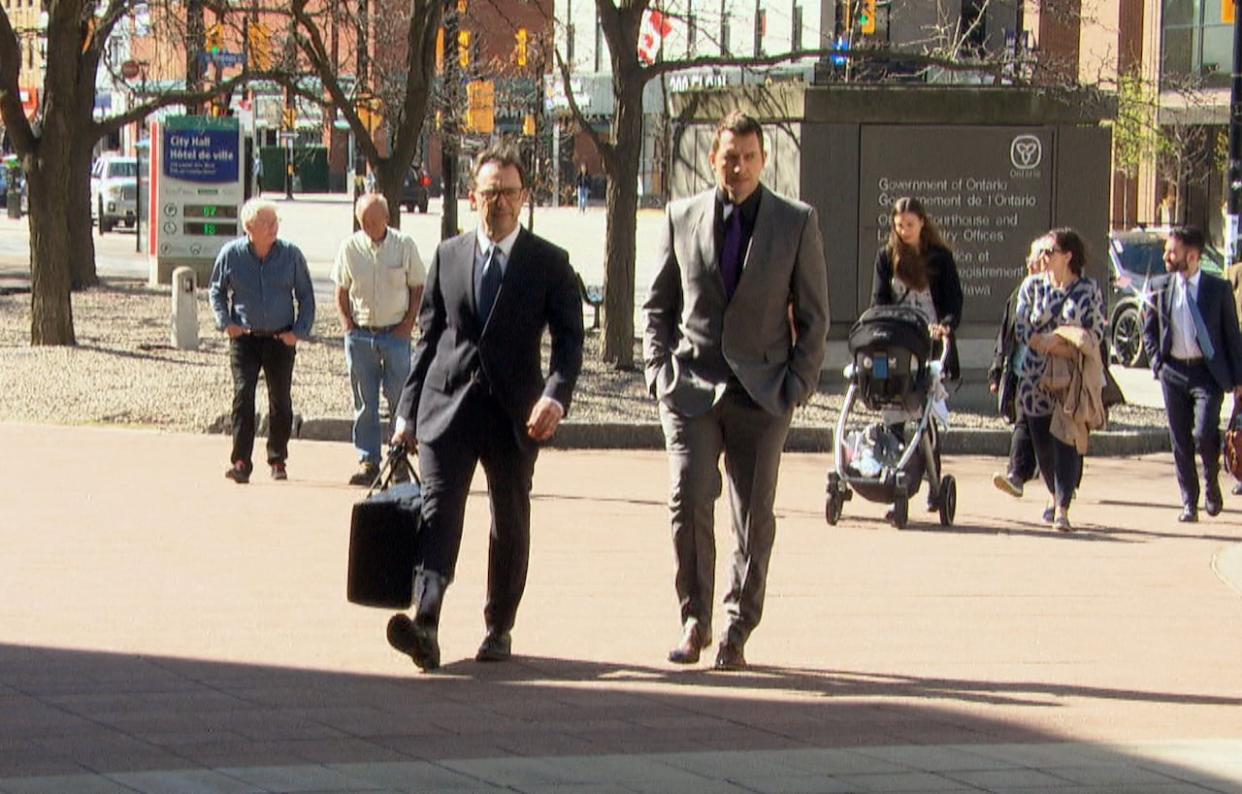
{"x": 692, "y": 34}
{"x": 1197, "y": 44}
{"x": 761, "y": 25}
{"x": 795, "y": 28}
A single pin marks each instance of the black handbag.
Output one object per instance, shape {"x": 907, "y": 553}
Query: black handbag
{"x": 1007, "y": 396}
{"x": 383, "y": 539}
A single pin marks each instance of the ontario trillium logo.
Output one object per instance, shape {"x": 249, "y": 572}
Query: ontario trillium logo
{"x": 1026, "y": 152}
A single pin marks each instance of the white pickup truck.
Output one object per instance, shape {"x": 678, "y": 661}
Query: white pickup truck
{"x": 114, "y": 191}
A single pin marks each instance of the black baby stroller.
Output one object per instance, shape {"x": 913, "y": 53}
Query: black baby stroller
{"x": 891, "y": 371}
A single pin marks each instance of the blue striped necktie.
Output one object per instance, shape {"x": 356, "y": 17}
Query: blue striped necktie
{"x": 489, "y": 287}
{"x": 1201, "y": 331}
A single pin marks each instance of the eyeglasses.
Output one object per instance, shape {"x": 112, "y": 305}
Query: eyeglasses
{"x": 1050, "y": 251}
{"x": 508, "y": 193}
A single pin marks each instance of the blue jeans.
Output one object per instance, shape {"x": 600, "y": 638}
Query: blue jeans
{"x": 374, "y": 359}
{"x": 583, "y": 195}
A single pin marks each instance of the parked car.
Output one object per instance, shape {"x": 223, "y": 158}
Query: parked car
{"x": 114, "y": 191}
{"x": 414, "y": 190}
{"x": 1134, "y": 257}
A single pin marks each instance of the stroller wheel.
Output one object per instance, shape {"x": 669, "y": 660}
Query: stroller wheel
{"x": 948, "y": 500}
{"x": 832, "y": 510}
{"x": 901, "y": 511}
{"x": 835, "y": 501}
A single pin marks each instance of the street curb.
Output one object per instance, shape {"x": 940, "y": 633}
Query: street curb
{"x": 616, "y": 435}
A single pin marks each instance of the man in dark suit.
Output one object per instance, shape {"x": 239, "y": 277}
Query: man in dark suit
{"x": 477, "y": 394}
{"x": 737, "y": 325}
{"x": 1192, "y": 339}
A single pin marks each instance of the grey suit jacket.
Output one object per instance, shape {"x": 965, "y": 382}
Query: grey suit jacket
{"x": 696, "y": 339}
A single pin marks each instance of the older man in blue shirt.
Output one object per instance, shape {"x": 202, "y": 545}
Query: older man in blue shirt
{"x": 262, "y": 297}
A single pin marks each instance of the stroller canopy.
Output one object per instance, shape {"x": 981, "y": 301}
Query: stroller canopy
{"x": 889, "y": 328}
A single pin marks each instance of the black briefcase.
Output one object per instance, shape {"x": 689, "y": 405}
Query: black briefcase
{"x": 383, "y": 539}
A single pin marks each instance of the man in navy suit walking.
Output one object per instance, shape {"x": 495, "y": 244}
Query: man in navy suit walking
{"x": 1192, "y": 339}
{"x": 477, "y": 393}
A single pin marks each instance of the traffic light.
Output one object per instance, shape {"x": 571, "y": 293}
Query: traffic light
{"x": 463, "y": 47}
{"x": 1228, "y": 11}
{"x": 214, "y": 39}
{"x": 290, "y": 117}
{"x": 523, "y": 40}
{"x": 259, "y": 43}
{"x": 866, "y": 17}
{"x": 481, "y": 106}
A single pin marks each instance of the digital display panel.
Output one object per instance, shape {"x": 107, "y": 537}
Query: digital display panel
{"x": 209, "y": 229}
{"x": 210, "y": 211}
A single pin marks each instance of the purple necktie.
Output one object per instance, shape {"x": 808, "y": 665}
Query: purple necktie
{"x": 731, "y": 256}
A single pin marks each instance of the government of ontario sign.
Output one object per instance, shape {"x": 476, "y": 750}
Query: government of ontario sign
{"x": 989, "y": 190}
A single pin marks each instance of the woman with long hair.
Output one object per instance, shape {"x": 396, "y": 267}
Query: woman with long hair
{"x": 916, "y": 268}
{"x": 1060, "y": 296}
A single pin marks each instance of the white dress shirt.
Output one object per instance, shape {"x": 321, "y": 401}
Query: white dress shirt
{"x": 1185, "y": 336}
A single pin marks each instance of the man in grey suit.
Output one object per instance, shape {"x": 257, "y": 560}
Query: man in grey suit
{"x": 737, "y": 323}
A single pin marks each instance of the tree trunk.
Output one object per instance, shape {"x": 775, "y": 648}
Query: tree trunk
{"x": 622, "y": 226}
{"x": 50, "y": 276}
{"x": 81, "y": 240}
{"x": 391, "y": 182}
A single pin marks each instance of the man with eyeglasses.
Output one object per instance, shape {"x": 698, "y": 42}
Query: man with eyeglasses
{"x": 477, "y": 394}
{"x": 1194, "y": 346}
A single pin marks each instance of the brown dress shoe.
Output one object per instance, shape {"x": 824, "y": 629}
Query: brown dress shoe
{"x": 729, "y": 657}
{"x": 693, "y": 640}
{"x": 497, "y": 647}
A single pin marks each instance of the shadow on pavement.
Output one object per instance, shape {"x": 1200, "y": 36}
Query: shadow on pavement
{"x": 70, "y": 712}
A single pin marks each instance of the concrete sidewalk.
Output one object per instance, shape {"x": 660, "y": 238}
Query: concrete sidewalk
{"x": 163, "y": 630}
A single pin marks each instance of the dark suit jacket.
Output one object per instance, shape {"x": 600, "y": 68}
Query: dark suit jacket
{"x": 946, "y": 294}
{"x": 696, "y": 338}
{"x": 455, "y": 350}
{"x": 1215, "y": 302}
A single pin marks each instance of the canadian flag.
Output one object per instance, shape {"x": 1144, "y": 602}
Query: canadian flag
{"x": 651, "y": 35}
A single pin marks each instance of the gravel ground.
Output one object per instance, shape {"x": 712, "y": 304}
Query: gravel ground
{"x": 124, "y": 371}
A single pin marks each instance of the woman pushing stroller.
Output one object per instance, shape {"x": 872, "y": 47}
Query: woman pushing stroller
{"x": 916, "y": 268}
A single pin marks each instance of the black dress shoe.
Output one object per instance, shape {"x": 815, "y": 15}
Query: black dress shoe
{"x": 415, "y": 638}
{"x": 497, "y": 646}
{"x": 693, "y": 640}
{"x": 1213, "y": 502}
{"x": 1189, "y": 515}
{"x": 730, "y": 657}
